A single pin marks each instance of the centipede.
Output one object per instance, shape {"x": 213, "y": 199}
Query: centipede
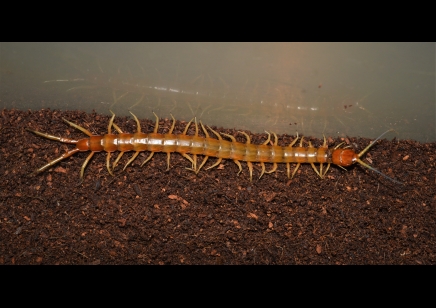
{"x": 191, "y": 147}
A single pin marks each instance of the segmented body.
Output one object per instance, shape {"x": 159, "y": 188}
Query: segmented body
{"x": 207, "y": 147}
{"x": 170, "y": 143}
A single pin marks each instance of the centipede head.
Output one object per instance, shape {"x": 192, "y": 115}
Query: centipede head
{"x": 346, "y": 157}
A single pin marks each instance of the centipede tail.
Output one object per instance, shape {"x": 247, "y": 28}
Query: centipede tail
{"x": 267, "y": 152}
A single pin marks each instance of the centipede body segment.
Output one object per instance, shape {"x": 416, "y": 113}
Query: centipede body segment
{"x": 208, "y": 147}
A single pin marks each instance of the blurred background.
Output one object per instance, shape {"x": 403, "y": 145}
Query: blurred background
{"x": 336, "y": 89}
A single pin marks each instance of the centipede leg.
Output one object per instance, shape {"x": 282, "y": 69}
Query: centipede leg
{"x": 327, "y": 169}
{"x": 138, "y": 129}
{"x": 268, "y": 139}
{"x": 118, "y": 129}
{"x": 239, "y": 165}
{"x": 117, "y": 160}
{"x": 313, "y": 165}
{"x": 295, "y": 170}
{"x": 219, "y": 138}
{"x": 288, "y": 168}
{"x": 235, "y": 160}
{"x": 216, "y": 164}
{"x": 172, "y": 126}
{"x": 288, "y": 165}
{"x": 111, "y": 123}
{"x": 191, "y": 160}
{"x": 324, "y": 145}
{"x": 301, "y": 145}
{"x": 195, "y": 155}
{"x": 274, "y": 168}
{"x": 187, "y": 127}
{"x": 55, "y": 161}
{"x": 194, "y": 168}
{"x": 186, "y": 155}
{"x": 82, "y": 170}
{"x": 108, "y": 158}
{"x": 316, "y": 170}
{"x": 82, "y": 129}
{"x": 194, "y": 159}
{"x": 132, "y": 159}
{"x": 206, "y": 157}
{"x": 109, "y": 131}
{"x": 168, "y": 160}
{"x": 250, "y": 169}
{"x": 262, "y": 164}
{"x": 274, "y": 164}
{"x": 249, "y": 164}
{"x": 263, "y": 169}
{"x": 156, "y": 126}
{"x": 170, "y": 132}
{"x": 202, "y": 163}
{"x": 148, "y": 158}
{"x": 138, "y": 125}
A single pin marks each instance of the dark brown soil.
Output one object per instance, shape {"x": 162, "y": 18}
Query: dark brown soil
{"x": 147, "y": 215}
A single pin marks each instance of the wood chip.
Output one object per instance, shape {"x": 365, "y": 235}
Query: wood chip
{"x": 252, "y": 215}
{"x": 122, "y": 222}
{"x": 60, "y": 169}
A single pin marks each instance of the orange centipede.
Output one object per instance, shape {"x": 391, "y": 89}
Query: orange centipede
{"x": 208, "y": 147}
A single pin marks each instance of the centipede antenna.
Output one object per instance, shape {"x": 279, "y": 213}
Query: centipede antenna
{"x": 372, "y": 143}
{"x": 372, "y": 168}
{"x": 375, "y": 170}
{"x": 51, "y": 137}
